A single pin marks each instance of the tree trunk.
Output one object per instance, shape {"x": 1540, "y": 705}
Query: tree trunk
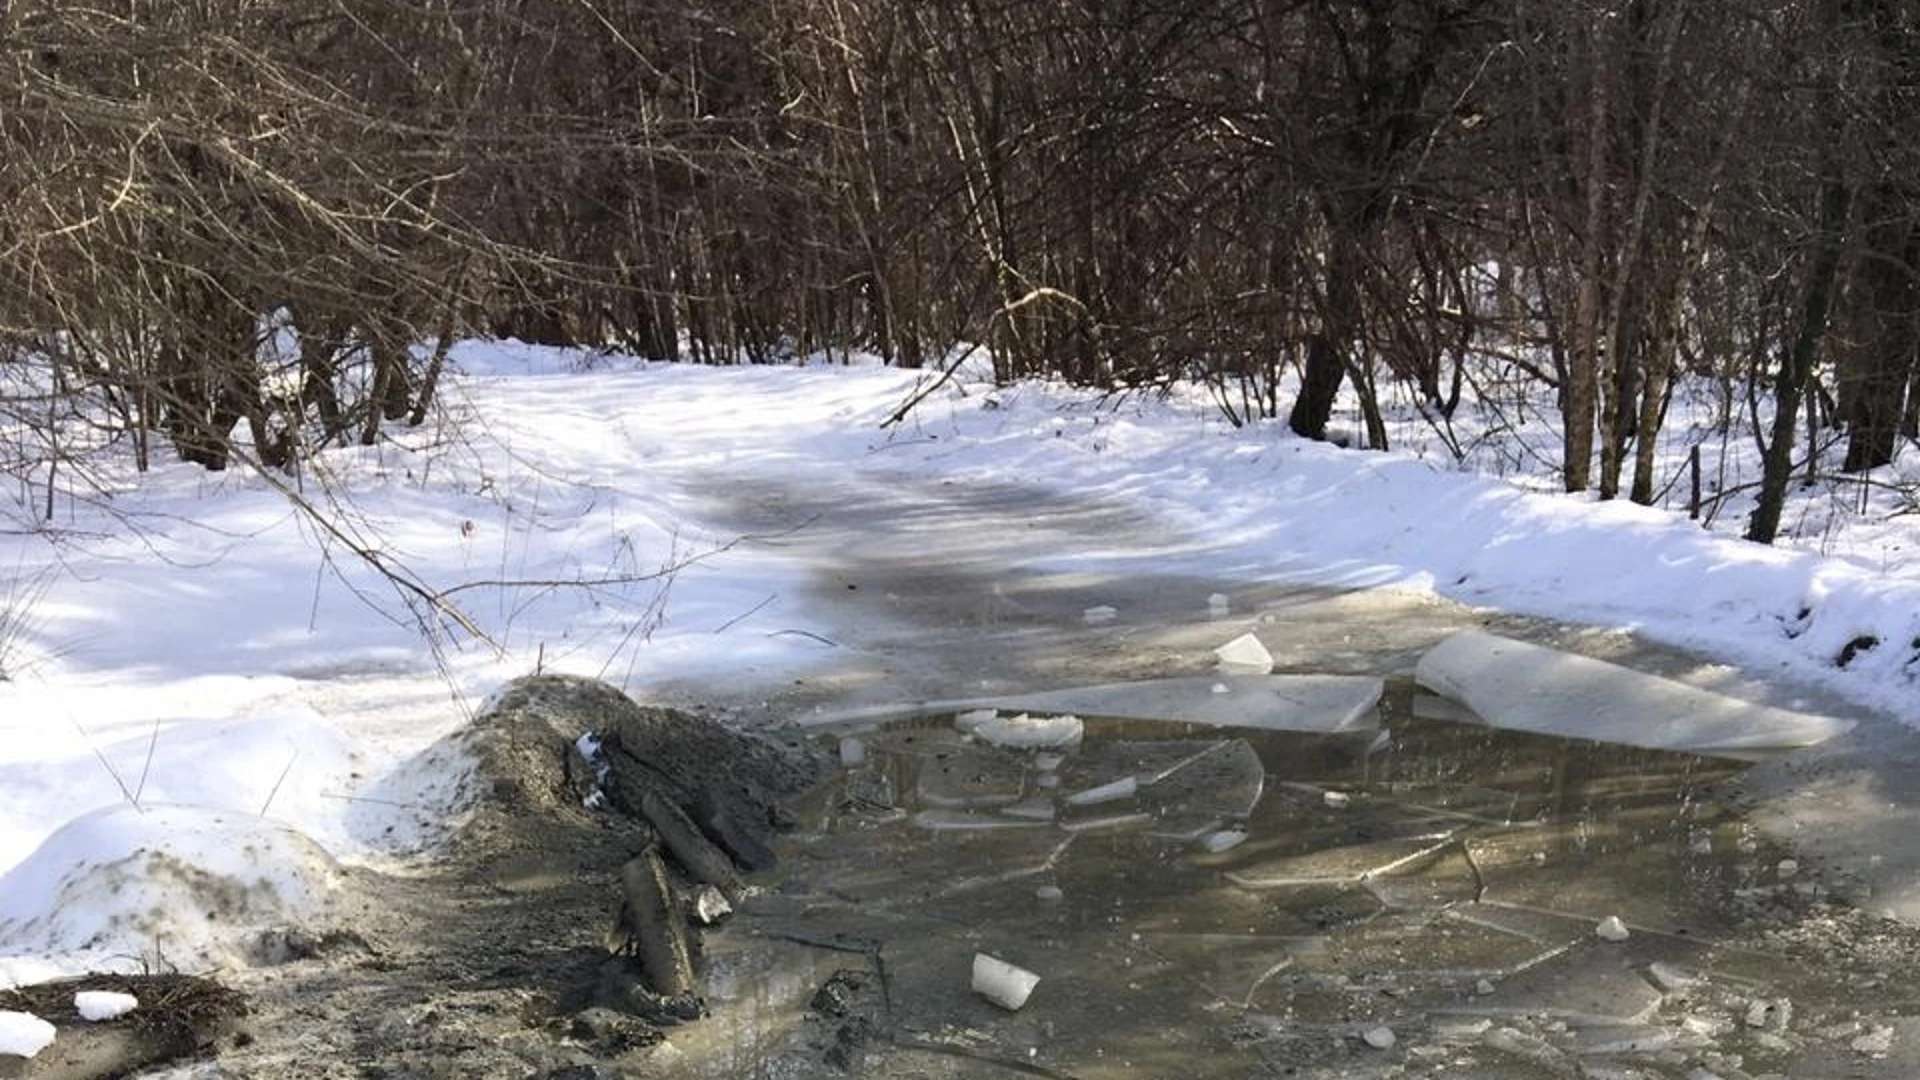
{"x": 1796, "y": 367}
{"x": 1582, "y": 391}
{"x": 1319, "y": 385}
{"x": 1888, "y": 336}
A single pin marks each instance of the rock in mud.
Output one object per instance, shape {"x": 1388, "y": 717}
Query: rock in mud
{"x": 665, "y": 802}
{"x": 525, "y": 741}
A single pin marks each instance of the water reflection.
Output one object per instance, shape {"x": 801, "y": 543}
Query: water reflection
{"x": 1202, "y": 901}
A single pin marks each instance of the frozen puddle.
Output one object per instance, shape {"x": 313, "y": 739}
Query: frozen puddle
{"x": 1387, "y": 895}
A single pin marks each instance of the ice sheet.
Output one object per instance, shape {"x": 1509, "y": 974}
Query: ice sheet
{"x": 1306, "y": 703}
{"x": 1311, "y": 703}
{"x": 1513, "y": 684}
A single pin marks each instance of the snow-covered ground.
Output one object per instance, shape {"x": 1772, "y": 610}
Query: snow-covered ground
{"x": 194, "y": 659}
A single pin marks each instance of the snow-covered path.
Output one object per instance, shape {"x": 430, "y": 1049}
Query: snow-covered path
{"x": 218, "y": 655}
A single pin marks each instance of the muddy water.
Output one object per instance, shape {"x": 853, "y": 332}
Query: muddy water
{"x": 1420, "y": 898}
{"x": 1452, "y": 899}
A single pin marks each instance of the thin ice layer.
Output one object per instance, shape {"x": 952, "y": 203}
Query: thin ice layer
{"x": 1512, "y": 684}
{"x": 1311, "y": 703}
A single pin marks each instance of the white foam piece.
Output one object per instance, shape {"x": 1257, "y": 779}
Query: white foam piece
{"x": 1245, "y": 654}
{"x": 95, "y": 1005}
{"x": 1512, "y": 684}
{"x": 23, "y": 1034}
{"x": 1311, "y": 703}
{"x": 1002, "y": 983}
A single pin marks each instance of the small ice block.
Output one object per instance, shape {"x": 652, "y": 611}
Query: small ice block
{"x": 1245, "y": 654}
{"x": 1123, "y": 788}
{"x": 1002, "y": 983}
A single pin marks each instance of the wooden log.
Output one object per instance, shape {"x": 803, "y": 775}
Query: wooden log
{"x": 723, "y": 825}
{"x": 651, "y": 926}
{"x": 703, "y": 860}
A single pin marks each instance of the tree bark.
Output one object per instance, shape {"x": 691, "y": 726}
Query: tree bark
{"x": 1581, "y": 397}
{"x": 1796, "y": 366}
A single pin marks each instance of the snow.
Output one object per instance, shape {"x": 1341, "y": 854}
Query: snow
{"x": 204, "y": 696}
{"x": 96, "y": 1005}
{"x": 23, "y": 1034}
{"x": 126, "y": 887}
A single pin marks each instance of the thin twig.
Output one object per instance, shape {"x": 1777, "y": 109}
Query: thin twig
{"x": 277, "y": 783}
{"x": 153, "y": 742}
{"x": 728, "y": 625}
{"x": 807, "y": 634}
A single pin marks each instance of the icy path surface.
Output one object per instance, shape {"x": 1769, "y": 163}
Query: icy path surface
{"x": 944, "y": 591}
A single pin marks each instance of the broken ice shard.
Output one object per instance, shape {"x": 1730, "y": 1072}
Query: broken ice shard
{"x": 1245, "y": 655}
{"x": 1513, "y": 684}
{"x": 1123, "y": 788}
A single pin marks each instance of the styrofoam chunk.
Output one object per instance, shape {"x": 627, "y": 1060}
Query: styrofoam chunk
{"x": 1245, "y": 654}
{"x": 1123, "y": 788}
{"x": 103, "y": 1004}
{"x": 1002, "y": 983}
